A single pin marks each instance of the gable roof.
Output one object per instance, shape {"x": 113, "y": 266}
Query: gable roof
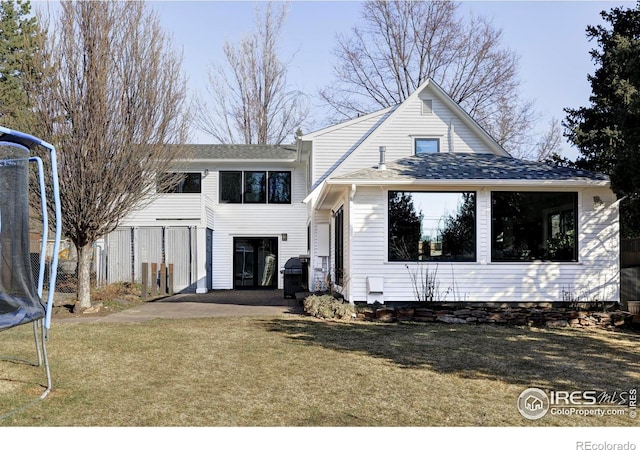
{"x": 391, "y": 112}
{"x": 469, "y": 167}
{"x": 239, "y": 152}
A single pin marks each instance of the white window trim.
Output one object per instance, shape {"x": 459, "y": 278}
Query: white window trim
{"x": 432, "y": 138}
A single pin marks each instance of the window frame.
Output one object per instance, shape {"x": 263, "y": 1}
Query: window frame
{"x": 459, "y": 260}
{"x": 240, "y": 185}
{"x": 265, "y": 187}
{"x": 179, "y": 187}
{"x": 416, "y": 140}
{"x": 338, "y": 245}
{"x": 262, "y": 195}
{"x": 269, "y": 174}
{"x": 547, "y": 213}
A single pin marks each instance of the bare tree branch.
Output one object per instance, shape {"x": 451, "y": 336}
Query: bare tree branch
{"x": 402, "y": 43}
{"x": 249, "y": 99}
{"x": 111, "y": 98}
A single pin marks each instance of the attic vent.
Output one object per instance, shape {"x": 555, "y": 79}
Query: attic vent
{"x": 427, "y": 107}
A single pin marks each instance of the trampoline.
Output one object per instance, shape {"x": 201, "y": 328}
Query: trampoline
{"x": 21, "y": 290}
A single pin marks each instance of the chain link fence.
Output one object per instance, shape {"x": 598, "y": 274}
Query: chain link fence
{"x": 66, "y": 276}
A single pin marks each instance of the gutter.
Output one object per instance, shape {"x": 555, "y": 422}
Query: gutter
{"x": 246, "y": 160}
{"x": 473, "y": 182}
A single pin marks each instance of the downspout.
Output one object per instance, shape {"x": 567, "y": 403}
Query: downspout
{"x": 352, "y": 194}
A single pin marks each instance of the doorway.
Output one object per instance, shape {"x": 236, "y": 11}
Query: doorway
{"x": 255, "y": 261}
{"x": 209, "y": 258}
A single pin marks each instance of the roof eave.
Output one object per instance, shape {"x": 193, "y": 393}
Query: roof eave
{"x": 473, "y": 182}
{"x": 314, "y": 134}
{"x": 235, "y": 161}
{"x": 318, "y": 192}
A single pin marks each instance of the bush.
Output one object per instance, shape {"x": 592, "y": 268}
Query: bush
{"x": 328, "y": 307}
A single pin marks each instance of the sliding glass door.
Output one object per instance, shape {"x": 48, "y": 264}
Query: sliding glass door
{"x": 255, "y": 262}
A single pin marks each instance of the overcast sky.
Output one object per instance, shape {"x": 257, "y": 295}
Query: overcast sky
{"x": 549, "y": 37}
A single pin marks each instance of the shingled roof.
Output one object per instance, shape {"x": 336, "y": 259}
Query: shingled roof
{"x": 240, "y": 152}
{"x": 470, "y": 166}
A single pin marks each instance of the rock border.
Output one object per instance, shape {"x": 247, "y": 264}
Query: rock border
{"x": 551, "y": 317}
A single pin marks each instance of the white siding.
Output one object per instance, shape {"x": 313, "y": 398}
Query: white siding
{"x": 345, "y": 205}
{"x": 329, "y": 148}
{"x": 319, "y": 263}
{"x": 231, "y": 220}
{"x": 209, "y": 211}
{"x": 336, "y": 151}
{"x": 258, "y": 220}
{"x": 168, "y": 209}
{"x": 399, "y": 132}
{"x": 595, "y": 276}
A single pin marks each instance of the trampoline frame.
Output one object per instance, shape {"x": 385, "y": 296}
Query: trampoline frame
{"x": 40, "y": 326}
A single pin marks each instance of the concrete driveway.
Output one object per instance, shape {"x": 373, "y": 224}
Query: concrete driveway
{"x": 212, "y": 304}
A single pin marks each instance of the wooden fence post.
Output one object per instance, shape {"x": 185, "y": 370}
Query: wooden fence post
{"x": 145, "y": 281}
{"x": 154, "y": 279}
{"x": 163, "y": 278}
{"x": 170, "y": 280}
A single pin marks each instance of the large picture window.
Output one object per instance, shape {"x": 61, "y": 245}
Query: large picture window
{"x": 534, "y": 226}
{"x": 255, "y": 187}
{"x": 432, "y": 226}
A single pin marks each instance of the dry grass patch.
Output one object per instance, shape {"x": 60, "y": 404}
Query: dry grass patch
{"x": 299, "y": 371}
{"x": 111, "y": 298}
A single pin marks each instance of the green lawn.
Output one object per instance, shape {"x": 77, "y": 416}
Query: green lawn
{"x": 299, "y": 371}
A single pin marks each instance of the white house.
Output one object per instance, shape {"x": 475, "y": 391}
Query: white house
{"x": 416, "y": 192}
{"x": 236, "y": 218}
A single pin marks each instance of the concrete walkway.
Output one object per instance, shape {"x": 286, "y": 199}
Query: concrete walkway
{"x": 212, "y": 304}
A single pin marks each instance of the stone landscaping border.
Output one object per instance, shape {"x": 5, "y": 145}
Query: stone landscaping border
{"x": 536, "y": 316}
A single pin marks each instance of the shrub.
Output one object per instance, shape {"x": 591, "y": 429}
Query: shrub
{"x": 328, "y": 307}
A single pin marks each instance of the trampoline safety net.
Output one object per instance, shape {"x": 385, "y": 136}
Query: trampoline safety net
{"x": 19, "y": 300}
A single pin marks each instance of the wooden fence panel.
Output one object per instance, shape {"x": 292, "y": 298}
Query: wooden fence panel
{"x": 630, "y": 269}
{"x": 630, "y": 253}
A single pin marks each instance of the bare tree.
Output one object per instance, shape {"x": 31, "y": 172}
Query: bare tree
{"x": 111, "y": 97}
{"x": 548, "y": 143}
{"x": 402, "y": 43}
{"x": 250, "y": 100}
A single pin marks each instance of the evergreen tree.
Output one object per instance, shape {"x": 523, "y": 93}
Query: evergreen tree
{"x": 458, "y": 234}
{"x": 19, "y": 32}
{"x": 607, "y": 133}
{"x": 405, "y": 227}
